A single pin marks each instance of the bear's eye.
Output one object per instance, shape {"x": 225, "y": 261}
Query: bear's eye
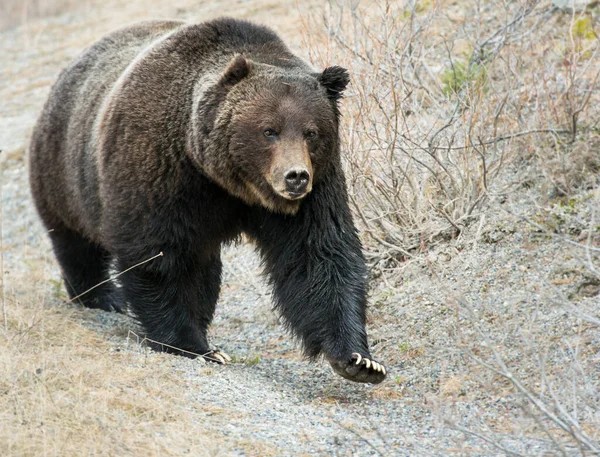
{"x": 269, "y": 133}
{"x": 311, "y": 134}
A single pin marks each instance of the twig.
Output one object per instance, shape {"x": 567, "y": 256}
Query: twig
{"x": 206, "y": 355}
{"x": 479, "y": 48}
{"x": 112, "y": 278}
{"x": 504, "y": 138}
{"x": 482, "y": 437}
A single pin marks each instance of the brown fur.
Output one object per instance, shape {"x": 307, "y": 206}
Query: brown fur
{"x": 175, "y": 138}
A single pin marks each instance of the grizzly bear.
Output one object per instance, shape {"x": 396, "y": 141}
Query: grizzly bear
{"x": 175, "y": 138}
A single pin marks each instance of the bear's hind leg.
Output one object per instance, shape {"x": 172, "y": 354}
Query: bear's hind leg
{"x": 84, "y": 265}
{"x": 175, "y": 300}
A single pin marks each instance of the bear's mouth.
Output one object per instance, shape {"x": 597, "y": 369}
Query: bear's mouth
{"x": 292, "y": 195}
{"x": 285, "y": 202}
{"x": 282, "y": 191}
{"x": 277, "y": 202}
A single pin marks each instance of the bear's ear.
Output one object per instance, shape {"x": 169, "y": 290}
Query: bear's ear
{"x": 334, "y": 79}
{"x": 237, "y": 69}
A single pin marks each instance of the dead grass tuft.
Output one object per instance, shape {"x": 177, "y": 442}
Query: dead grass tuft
{"x": 65, "y": 390}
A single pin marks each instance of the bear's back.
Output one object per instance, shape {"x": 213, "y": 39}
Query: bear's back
{"x": 62, "y": 164}
{"x": 228, "y": 36}
{"x": 140, "y": 78}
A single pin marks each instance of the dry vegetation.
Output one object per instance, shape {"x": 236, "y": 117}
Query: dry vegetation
{"x": 472, "y": 140}
{"x": 449, "y": 98}
{"x": 460, "y": 111}
{"x": 14, "y": 12}
{"x": 65, "y": 391}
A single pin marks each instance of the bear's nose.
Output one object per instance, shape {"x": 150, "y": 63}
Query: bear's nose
{"x": 296, "y": 180}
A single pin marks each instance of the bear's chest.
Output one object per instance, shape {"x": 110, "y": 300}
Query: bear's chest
{"x": 205, "y": 213}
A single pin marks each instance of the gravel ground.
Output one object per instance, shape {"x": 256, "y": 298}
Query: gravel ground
{"x": 513, "y": 276}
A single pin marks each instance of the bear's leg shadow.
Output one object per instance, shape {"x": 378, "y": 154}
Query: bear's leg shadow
{"x": 84, "y": 265}
{"x": 175, "y": 300}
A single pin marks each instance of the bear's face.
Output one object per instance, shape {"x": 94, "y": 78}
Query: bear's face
{"x": 282, "y": 139}
{"x": 282, "y": 131}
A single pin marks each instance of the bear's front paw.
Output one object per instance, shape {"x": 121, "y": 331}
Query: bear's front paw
{"x": 360, "y": 369}
{"x": 217, "y": 356}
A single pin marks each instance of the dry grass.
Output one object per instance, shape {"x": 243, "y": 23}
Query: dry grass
{"x": 14, "y": 13}
{"x": 448, "y": 98}
{"x": 66, "y": 390}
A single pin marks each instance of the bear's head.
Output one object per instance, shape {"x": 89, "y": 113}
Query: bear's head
{"x": 277, "y": 131}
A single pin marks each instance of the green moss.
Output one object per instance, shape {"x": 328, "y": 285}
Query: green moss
{"x": 57, "y": 289}
{"x": 582, "y": 28}
{"x": 568, "y": 205}
{"x": 421, "y": 6}
{"x": 251, "y": 361}
{"x": 399, "y": 380}
{"x": 463, "y": 76}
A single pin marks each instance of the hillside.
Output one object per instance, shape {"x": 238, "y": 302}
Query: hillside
{"x": 485, "y": 274}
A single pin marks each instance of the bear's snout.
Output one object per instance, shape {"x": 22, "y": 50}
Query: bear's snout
{"x": 291, "y": 173}
{"x": 297, "y": 180}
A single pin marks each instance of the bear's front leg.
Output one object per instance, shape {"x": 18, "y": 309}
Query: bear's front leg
{"x": 174, "y": 299}
{"x": 315, "y": 263}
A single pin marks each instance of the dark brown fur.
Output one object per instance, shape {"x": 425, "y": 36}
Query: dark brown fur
{"x": 175, "y": 138}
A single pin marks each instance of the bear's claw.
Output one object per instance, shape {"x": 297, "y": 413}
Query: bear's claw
{"x": 369, "y": 363}
{"x": 360, "y": 369}
{"x": 220, "y": 357}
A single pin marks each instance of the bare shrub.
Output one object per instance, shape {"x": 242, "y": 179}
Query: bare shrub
{"x": 536, "y": 358}
{"x": 552, "y": 384}
{"x": 451, "y": 104}
{"x": 445, "y": 97}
